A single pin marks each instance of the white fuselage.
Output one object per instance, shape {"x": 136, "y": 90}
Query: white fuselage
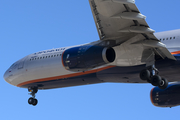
{"x": 47, "y": 65}
{"x": 171, "y": 39}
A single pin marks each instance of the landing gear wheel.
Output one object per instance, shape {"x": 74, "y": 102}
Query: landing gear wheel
{"x": 145, "y": 74}
{"x": 31, "y": 100}
{"x": 163, "y": 84}
{"x": 156, "y": 80}
{"x": 35, "y": 101}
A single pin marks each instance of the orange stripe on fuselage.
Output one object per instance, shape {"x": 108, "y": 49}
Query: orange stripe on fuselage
{"x": 64, "y": 76}
{"x": 176, "y": 52}
{"x": 72, "y": 75}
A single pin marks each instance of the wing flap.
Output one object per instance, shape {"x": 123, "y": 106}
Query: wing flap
{"x": 130, "y": 15}
{"x": 121, "y": 1}
{"x": 158, "y": 47}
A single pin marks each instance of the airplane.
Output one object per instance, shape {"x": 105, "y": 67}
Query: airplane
{"x": 128, "y": 51}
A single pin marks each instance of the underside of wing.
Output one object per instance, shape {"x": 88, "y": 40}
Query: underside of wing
{"x": 120, "y": 20}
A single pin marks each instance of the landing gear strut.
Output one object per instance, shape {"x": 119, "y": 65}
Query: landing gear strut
{"x": 151, "y": 75}
{"x": 32, "y": 100}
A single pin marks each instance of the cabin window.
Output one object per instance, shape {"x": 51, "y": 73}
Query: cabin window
{"x": 174, "y": 37}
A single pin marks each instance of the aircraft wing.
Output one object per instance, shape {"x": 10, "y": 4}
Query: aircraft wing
{"x": 120, "y": 20}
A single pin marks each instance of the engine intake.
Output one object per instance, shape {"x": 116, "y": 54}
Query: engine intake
{"x": 82, "y": 58}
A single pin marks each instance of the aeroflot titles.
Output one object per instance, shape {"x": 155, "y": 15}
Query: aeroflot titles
{"x": 49, "y": 51}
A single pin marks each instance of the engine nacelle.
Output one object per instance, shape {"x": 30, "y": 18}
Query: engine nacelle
{"x": 168, "y": 97}
{"x": 82, "y": 58}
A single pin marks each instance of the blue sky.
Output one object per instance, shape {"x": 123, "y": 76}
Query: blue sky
{"x": 28, "y": 26}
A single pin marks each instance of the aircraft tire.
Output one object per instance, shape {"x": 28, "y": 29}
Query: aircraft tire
{"x": 156, "y": 80}
{"x": 163, "y": 84}
{"x": 35, "y": 101}
{"x": 31, "y": 100}
{"x": 144, "y": 74}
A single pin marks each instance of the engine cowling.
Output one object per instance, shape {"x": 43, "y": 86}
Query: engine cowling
{"x": 82, "y": 58}
{"x": 168, "y": 97}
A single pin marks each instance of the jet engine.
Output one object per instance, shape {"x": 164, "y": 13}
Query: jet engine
{"x": 168, "y": 97}
{"x": 82, "y": 58}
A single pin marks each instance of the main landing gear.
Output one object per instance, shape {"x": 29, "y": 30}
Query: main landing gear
{"x": 151, "y": 75}
{"x": 32, "y": 100}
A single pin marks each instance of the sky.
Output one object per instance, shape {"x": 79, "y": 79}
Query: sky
{"x": 28, "y": 26}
